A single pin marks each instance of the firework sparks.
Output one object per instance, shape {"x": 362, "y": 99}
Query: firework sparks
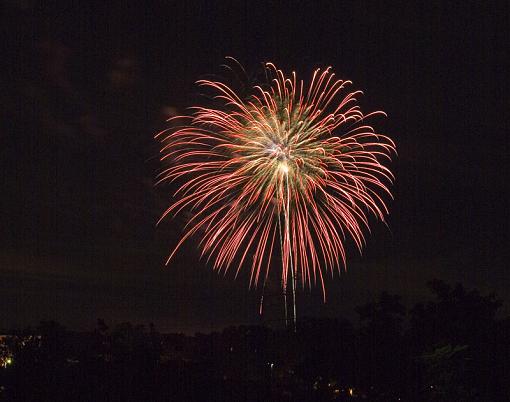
{"x": 293, "y": 167}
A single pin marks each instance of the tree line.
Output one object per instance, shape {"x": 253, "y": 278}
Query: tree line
{"x": 454, "y": 347}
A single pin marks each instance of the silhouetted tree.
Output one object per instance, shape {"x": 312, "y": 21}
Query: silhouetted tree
{"x": 383, "y": 362}
{"x": 455, "y": 336}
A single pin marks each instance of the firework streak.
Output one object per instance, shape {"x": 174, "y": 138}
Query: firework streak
{"x": 293, "y": 167}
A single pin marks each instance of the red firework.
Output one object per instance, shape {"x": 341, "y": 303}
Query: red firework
{"x": 293, "y": 166}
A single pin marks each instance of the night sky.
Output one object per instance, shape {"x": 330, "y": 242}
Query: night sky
{"x": 86, "y": 87}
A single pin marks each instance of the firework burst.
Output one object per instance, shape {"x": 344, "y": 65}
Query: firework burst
{"x": 291, "y": 167}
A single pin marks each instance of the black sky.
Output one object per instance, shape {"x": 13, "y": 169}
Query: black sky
{"x": 87, "y": 86}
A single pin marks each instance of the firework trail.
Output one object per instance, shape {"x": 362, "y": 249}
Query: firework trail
{"x": 293, "y": 166}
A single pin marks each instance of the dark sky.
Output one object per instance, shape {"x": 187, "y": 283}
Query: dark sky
{"x": 86, "y": 87}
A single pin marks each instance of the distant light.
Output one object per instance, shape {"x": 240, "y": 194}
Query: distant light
{"x": 351, "y": 392}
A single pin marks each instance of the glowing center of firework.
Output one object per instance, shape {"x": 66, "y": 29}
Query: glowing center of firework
{"x": 281, "y": 154}
{"x": 279, "y": 151}
{"x": 284, "y": 167}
